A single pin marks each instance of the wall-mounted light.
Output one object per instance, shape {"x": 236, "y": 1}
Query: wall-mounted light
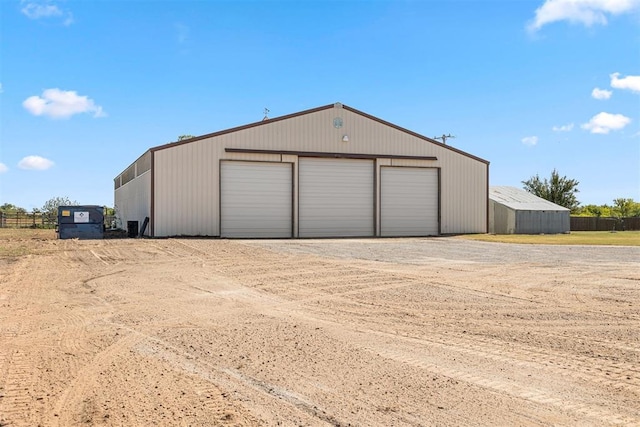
{"x": 345, "y": 138}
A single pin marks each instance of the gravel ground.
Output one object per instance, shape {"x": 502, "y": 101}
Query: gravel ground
{"x": 349, "y": 332}
{"x": 427, "y": 250}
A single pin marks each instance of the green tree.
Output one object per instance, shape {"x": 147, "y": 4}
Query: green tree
{"x": 186, "y": 136}
{"x": 50, "y": 208}
{"x": 559, "y": 190}
{"x": 594, "y": 210}
{"x": 625, "y": 208}
{"x": 11, "y": 208}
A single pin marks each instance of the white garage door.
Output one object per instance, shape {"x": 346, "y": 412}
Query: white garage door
{"x": 336, "y": 197}
{"x": 408, "y": 201}
{"x": 256, "y": 199}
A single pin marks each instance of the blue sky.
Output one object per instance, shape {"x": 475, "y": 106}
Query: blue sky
{"x": 88, "y": 86}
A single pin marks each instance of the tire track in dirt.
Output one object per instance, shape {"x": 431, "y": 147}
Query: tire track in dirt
{"x": 534, "y": 302}
{"x": 361, "y": 302}
{"x": 294, "y": 399}
{"x": 574, "y": 366}
{"x": 259, "y": 269}
{"x": 276, "y": 403}
{"x": 73, "y": 323}
{"x": 554, "y": 363}
{"x": 16, "y": 403}
{"x": 492, "y": 352}
{"x": 16, "y": 370}
{"x": 586, "y": 369}
{"x": 70, "y": 402}
{"x": 464, "y": 271}
{"x": 598, "y": 415}
{"x": 99, "y": 257}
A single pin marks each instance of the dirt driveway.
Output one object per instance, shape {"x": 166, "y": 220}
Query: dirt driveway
{"x": 360, "y": 332}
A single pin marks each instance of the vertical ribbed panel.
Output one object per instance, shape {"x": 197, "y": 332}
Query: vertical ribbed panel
{"x": 133, "y": 200}
{"x": 256, "y": 199}
{"x": 187, "y": 175}
{"x": 187, "y": 190}
{"x": 336, "y": 197}
{"x": 409, "y": 201}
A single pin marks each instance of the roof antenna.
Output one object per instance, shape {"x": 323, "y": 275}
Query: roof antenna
{"x": 266, "y": 112}
{"x": 444, "y": 138}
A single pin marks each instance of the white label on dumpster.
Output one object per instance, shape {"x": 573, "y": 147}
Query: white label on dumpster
{"x": 81, "y": 217}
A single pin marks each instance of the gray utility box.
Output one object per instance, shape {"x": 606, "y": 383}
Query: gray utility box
{"x": 80, "y": 222}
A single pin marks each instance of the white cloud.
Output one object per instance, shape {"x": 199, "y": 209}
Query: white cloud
{"x": 3, "y": 168}
{"x": 587, "y": 12}
{"x": 1, "y": 89}
{"x": 35, "y": 163}
{"x": 37, "y": 9}
{"x": 564, "y": 128}
{"x": 604, "y": 123}
{"x": 598, "y": 93}
{"x": 631, "y": 83}
{"x": 61, "y": 104}
{"x": 530, "y": 140}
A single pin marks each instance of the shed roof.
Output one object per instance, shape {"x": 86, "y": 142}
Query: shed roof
{"x": 521, "y": 200}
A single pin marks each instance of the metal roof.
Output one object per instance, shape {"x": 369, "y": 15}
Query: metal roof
{"x": 521, "y": 200}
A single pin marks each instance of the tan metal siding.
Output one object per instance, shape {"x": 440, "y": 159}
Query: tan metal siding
{"x": 187, "y": 175}
{"x": 186, "y": 190}
{"x": 463, "y": 196}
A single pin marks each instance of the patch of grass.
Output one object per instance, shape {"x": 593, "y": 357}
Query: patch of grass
{"x": 13, "y": 252}
{"x": 620, "y": 238}
{"x": 27, "y": 234}
{"x": 18, "y": 242}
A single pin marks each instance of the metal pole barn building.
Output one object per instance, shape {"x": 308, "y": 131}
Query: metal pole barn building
{"x": 331, "y": 171}
{"x": 515, "y": 211}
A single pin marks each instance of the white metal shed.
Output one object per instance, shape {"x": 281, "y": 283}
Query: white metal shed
{"x": 331, "y": 171}
{"x": 516, "y": 211}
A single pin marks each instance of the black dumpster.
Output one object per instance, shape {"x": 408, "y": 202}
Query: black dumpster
{"x": 132, "y": 228}
{"x": 81, "y": 222}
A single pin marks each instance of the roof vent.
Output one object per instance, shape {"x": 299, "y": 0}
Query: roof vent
{"x": 337, "y": 105}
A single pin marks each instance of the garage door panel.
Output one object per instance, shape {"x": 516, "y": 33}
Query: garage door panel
{"x": 256, "y": 199}
{"x": 409, "y": 201}
{"x": 336, "y": 198}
